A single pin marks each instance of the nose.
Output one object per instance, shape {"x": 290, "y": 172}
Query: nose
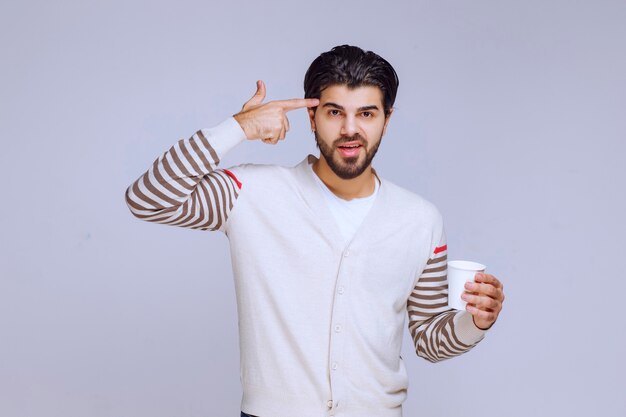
{"x": 349, "y": 126}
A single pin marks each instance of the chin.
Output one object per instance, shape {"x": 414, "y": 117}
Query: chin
{"x": 348, "y": 171}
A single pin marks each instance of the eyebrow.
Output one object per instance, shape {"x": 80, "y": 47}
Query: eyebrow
{"x": 363, "y": 108}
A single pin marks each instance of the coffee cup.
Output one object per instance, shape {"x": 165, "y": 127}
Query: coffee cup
{"x": 460, "y": 272}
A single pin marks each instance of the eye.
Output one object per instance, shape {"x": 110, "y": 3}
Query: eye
{"x": 367, "y": 114}
{"x": 334, "y": 112}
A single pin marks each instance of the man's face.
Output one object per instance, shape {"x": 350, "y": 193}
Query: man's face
{"x": 349, "y": 125}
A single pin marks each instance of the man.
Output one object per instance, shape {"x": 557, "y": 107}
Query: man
{"x": 328, "y": 257}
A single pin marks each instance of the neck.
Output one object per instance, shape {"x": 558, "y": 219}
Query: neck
{"x": 358, "y": 187}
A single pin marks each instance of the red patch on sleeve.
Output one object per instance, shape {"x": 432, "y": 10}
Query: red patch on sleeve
{"x": 230, "y": 174}
{"x": 441, "y": 249}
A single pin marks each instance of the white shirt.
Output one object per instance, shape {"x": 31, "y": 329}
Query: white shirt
{"x": 348, "y": 214}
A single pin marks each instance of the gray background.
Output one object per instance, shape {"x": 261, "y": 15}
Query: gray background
{"x": 509, "y": 117}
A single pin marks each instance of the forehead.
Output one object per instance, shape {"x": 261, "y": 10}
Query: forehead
{"x": 352, "y": 97}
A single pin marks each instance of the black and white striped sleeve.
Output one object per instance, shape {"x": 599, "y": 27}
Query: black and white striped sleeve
{"x": 438, "y": 331}
{"x": 184, "y": 187}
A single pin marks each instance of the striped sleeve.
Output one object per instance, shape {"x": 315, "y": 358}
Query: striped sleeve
{"x": 438, "y": 331}
{"x": 183, "y": 187}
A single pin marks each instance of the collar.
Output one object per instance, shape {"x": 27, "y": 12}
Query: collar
{"x": 315, "y": 201}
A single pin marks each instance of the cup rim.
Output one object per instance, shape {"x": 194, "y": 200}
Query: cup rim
{"x": 466, "y": 265}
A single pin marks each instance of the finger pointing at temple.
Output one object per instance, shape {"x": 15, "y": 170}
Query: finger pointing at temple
{"x": 297, "y": 103}
{"x": 268, "y": 121}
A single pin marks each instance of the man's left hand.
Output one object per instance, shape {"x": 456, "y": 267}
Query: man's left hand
{"x": 484, "y": 299}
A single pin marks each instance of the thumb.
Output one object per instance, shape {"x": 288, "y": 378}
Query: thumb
{"x": 258, "y": 96}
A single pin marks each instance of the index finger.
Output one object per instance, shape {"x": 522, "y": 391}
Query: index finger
{"x": 297, "y": 103}
{"x": 488, "y": 279}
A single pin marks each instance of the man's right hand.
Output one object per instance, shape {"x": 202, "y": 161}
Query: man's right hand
{"x": 268, "y": 121}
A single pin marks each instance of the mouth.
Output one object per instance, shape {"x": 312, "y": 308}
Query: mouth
{"x": 350, "y": 149}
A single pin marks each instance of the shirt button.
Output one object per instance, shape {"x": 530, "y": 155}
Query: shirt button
{"x": 334, "y": 365}
{"x": 338, "y": 328}
{"x": 346, "y": 253}
{"x": 340, "y": 290}
{"x": 330, "y": 403}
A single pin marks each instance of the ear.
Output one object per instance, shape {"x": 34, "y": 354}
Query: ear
{"x": 387, "y": 121}
{"x": 311, "y": 118}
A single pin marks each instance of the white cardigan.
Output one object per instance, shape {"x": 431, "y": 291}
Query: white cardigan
{"x": 320, "y": 322}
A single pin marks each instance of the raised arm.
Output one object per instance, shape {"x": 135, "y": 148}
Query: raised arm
{"x": 439, "y": 332}
{"x": 183, "y": 187}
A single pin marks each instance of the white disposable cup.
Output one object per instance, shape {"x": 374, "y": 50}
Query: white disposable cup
{"x": 460, "y": 272}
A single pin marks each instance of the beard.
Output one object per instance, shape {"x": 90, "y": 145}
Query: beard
{"x": 346, "y": 168}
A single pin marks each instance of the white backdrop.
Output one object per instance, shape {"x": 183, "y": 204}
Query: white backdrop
{"x": 509, "y": 117}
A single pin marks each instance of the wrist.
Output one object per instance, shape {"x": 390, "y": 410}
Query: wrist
{"x": 243, "y": 123}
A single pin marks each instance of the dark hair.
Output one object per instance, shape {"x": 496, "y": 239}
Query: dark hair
{"x": 353, "y": 67}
